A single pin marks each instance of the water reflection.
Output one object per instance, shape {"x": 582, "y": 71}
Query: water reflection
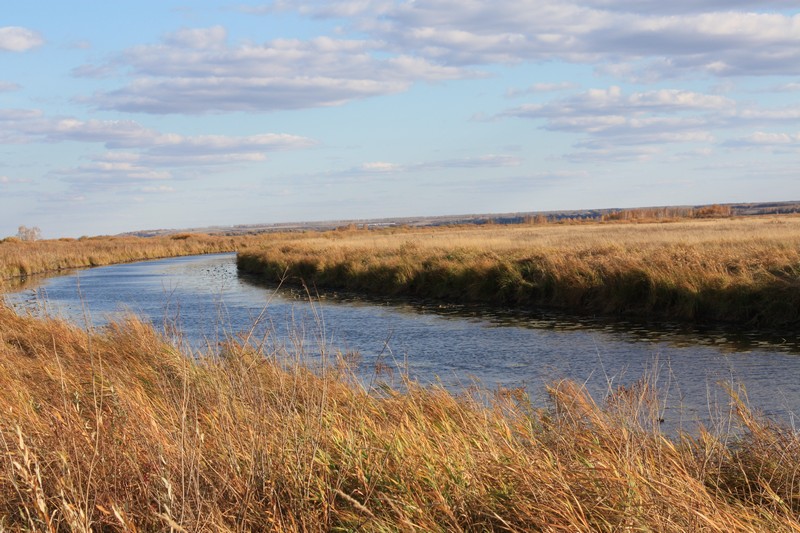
{"x": 22, "y": 283}
{"x": 725, "y": 337}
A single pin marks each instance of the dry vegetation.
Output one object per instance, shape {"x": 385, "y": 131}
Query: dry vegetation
{"x": 738, "y": 270}
{"x": 24, "y": 258}
{"x": 118, "y": 430}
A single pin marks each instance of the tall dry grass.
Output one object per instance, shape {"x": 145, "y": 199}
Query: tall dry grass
{"x": 739, "y": 270}
{"x": 23, "y": 258}
{"x": 118, "y": 430}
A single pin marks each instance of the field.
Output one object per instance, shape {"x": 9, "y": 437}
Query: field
{"x": 118, "y": 430}
{"x": 743, "y": 270}
{"x": 23, "y": 258}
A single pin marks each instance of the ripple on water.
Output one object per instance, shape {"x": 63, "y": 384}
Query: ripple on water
{"x": 455, "y": 345}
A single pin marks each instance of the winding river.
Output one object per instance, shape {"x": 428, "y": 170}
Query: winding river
{"x": 200, "y": 301}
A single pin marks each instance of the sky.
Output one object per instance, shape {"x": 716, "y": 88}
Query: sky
{"x": 122, "y": 116}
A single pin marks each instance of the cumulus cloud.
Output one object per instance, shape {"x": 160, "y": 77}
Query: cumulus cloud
{"x": 537, "y": 88}
{"x": 161, "y": 189}
{"x": 716, "y": 37}
{"x": 619, "y": 126}
{"x": 773, "y": 142}
{"x": 611, "y": 117}
{"x": 199, "y": 38}
{"x": 684, "y": 6}
{"x": 786, "y": 88}
{"x": 136, "y": 153}
{"x": 113, "y": 170}
{"x": 196, "y": 71}
{"x": 398, "y": 43}
{"x": 25, "y": 126}
{"x": 614, "y": 154}
{"x": 379, "y": 166}
{"x": 612, "y": 102}
{"x": 18, "y": 39}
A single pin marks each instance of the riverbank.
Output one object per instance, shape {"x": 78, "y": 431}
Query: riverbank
{"x": 118, "y": 429}
{"x": 22, "y": 258}
{"x": 744, "y": 271}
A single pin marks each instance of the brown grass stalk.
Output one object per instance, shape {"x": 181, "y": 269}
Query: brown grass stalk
{"x": 118, "y": 430}
{"x": 736, "y": 270}
{"x": 24, "y": 258}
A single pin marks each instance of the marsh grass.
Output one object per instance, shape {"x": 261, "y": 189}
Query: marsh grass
{"x": 23, "y": 258}
{"x": 121, "y": 431}
{"x": 736, "y": 270}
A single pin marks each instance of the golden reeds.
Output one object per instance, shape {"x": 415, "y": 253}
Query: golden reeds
{"x": 23, "y": 258}
{"x": 739, "y": 270}
{"x": 118, "y": 430}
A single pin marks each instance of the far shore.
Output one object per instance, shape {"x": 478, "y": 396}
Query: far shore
{"x": 735, "y": 270}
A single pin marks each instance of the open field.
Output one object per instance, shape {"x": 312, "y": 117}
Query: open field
{"x": 22, "y": 258}
{"x": 737, "y": 270}
{"x": 121, "y": 431}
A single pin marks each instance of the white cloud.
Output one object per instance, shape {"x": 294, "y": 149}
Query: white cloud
{"x": 196, "y": 71}
{"x": 399, "y": 43}
{"x": 161, "y": 189}
{"x": 199, "y": 38}
{"x": 485, "y": 161}
{"x": 5, "y": 180}
{"x": 18, "y": 39}
{"x": 771, "y": 142}
{"x": 761, "y": 137}
{"x": 380, "y": 166}
{"x": 609, "y": 111}
{"x": 95, "y": 71}
{"x": 111, "y": 171}
{"x": 166, "y": 148}
{"x": 617, "y": 126}
{"x": 614, "y": 155}
{"x": 689, "y": 6}
{"x": 537, "y": 88}
{"x": 384, "y": 168}
{"x": 135, "y": 153}
{"x": 8, "y": 86}
{"x": 786, "y": 88}
{"x": 718, "y": 37}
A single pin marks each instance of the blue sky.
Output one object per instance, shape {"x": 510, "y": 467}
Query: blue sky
{"x": 117, "y": 116}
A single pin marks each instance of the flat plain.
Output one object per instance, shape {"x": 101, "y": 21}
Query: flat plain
{"x": 743, "y": 270}
{"x": 119, "y": 430}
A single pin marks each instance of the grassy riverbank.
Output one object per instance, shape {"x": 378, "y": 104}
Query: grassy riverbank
{"x": 22, "y": 258}
{"x": 735, "y": 270}
{"x": 119, "y": 430}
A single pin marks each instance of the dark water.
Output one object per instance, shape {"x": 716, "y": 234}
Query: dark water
{"x": 206, "y": 301}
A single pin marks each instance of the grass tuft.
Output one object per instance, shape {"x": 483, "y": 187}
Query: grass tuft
{"x": 118, "y": 430}
{"x": 744, "y": 271}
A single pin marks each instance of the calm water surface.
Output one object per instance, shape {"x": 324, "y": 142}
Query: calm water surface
{"x": 205, "y": 299}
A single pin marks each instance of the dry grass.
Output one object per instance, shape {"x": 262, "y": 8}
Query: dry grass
{"x": 740, "y": 270}
{"x": 21, "y": 258}
{"x": 118, "y": 430}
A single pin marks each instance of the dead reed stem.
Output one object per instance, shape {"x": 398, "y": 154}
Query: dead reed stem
{"x": 118, "y": 430}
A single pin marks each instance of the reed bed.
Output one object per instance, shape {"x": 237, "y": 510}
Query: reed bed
{"x": 118, "y": 430}
{"x": 737, "y": 270}
{"x": 24, "y": 258}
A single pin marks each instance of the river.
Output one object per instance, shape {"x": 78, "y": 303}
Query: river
{"x": 201, "y": 301}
